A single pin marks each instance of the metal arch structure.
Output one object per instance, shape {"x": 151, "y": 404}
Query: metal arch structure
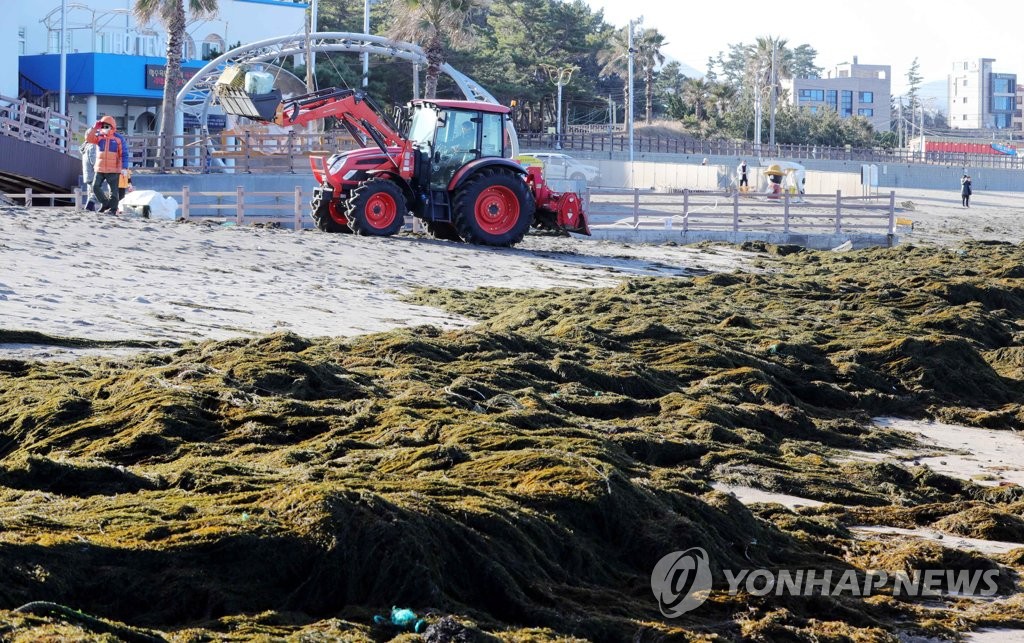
{"x": 197, "y": 94}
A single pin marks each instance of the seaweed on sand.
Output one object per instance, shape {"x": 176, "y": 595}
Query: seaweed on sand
{"x": 525, "y": 474}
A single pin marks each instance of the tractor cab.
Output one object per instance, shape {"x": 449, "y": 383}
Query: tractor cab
{"x": 450, "y": 134}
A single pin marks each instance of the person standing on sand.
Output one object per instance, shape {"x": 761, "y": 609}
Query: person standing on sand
{"x": 965, "y": 190}
{"x": 111, "y": 161}
{"x": 88, "y": 151}
{"x": 742, "y": 169}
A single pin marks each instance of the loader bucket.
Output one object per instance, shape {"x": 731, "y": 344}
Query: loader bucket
{"x": 237, "y": 102}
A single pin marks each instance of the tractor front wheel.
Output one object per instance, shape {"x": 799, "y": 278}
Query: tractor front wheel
{"x": 326, "y": 211}
{"x": 493, "y": 208}
{"x": 377, "y": 208}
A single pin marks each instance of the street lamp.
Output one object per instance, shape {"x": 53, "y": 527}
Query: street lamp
{"x": 561, "y": 77}
{"x": 629, "y": 98}
{"x": 63, "y": 58}
{"x": 774, "y": 99}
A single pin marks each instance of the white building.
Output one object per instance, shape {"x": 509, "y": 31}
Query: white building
{"x": 980, "y": 98}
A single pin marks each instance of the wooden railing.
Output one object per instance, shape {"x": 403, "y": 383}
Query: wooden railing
{"x": 40, "y": 125}
{"x": 740, "y": 212}
{"x": 239, "y": 207}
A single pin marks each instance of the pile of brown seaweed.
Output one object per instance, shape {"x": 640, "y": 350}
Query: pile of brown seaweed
{"x": 520, "y": 479}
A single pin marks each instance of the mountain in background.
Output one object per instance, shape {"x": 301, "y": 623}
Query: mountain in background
{"x": 688, "y": 71}
{"x": 935, "y": 95}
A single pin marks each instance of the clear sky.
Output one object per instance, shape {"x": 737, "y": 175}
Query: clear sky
{"x": 878, "y": 32}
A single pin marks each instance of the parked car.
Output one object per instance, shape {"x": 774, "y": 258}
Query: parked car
{"x": 563, "y": 166}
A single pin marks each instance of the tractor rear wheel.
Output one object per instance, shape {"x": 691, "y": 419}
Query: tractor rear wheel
{"x": 377, "y": 208}
{"x": 494, "y": 208}
{"x": 325, "y": 211}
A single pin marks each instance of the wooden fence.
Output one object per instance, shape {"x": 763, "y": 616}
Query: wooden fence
{"x": 743, "y": 212}
{"x": 247, "y": 152}
{"x": 239, "y": 207}
{"x": 689, "y": 210}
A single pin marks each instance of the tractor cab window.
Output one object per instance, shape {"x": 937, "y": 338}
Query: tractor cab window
{"x": 456, "y": 143}
{"x": 422, "y": 125}
{"x": 493, "y": 131}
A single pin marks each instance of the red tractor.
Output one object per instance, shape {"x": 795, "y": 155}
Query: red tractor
{"x": 448, "y": 162}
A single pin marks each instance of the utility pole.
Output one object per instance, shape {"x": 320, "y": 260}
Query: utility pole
{"x": 629, "y": 92}
{"x": 900, "y": 127}
{"x": 310, "y": 55}
{"x": 922, "y": 133}
{"x": 611, "y": 115}
{"x": 560, "y": 76}
{"x": 64, "y": 60}
{"x": 774, "y": 98}
{"x": 757, "y": 111}
{"x": 366, "y": 54}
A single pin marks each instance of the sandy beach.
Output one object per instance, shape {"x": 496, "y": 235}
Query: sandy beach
{"x": 79, "y": 274}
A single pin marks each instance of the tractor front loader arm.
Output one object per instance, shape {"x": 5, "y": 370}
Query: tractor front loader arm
{"x": 354, "y": 108}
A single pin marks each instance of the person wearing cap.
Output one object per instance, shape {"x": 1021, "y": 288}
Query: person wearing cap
{"x": 111, "y": 161}
{"x": 965, "y": 190}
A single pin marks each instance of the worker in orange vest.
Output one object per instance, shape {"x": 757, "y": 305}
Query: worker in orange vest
{"x": 111, "y": 161}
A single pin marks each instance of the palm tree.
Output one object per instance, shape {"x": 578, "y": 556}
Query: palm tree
{"x": 697, "y": 92}
{"x": 648, "y": 56}
{"x": 614, "y": 61}
{"x": 768, "y": 61}
{"x": 721, "y": 99}
{"x": 760, "y": 64}
{"x": 436, "y": 25}
{"x": 172, "y": 14}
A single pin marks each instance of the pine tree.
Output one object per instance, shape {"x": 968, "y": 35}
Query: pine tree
{"x": 913, "y": 84}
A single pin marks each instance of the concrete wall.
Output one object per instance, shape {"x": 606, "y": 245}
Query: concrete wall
{"x": 668, "y": 176}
